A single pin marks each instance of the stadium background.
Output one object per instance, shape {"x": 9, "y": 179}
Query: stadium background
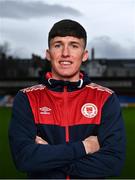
{"x": 15, "y": 74}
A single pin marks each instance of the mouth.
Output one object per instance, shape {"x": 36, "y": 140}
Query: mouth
{"x": 65, "y": 63}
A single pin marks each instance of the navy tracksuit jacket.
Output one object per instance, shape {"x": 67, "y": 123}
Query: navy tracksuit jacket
{"x": 64, "y": 114}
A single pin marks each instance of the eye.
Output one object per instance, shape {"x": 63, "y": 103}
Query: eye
{"x": 74, "y": 45}
{"x": 57, "y": 45}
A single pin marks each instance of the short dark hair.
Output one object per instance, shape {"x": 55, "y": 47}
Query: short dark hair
{"x": 67, "y": 27}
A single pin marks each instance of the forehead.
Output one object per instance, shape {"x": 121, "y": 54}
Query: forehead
{"x": 67, "y": 39}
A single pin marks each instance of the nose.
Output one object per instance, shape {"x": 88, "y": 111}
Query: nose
{"x": 65, "y": 51}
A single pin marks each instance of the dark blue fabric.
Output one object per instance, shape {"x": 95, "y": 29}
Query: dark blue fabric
{"x": 111, "y": 134}
{"x": 59, "y": 159}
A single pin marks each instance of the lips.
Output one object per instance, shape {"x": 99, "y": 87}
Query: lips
{"x": 65, "y": 62}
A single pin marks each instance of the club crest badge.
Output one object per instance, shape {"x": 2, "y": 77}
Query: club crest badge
{"x": 89, "y": 110}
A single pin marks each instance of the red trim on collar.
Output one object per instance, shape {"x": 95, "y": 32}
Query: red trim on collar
{"x": 49, "y": 75}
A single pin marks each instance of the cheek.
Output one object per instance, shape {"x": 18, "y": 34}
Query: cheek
{"x": 77, "y": 59}
{"x": 55, "y": 56}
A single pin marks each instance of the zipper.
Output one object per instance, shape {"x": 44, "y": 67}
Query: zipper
{"x": 66, "y": 114}
{"x": 67, "y": 133}
{"x": 66, "y": 119}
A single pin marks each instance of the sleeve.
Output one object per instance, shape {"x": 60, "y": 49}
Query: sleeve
{"x": 29, "y": 156}
{"x": 109, "y": 160}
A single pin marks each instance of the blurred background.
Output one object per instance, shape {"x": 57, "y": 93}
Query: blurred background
{"x": 24, "y": 27}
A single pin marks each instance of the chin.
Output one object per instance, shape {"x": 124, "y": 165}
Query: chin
{"x": 67, "y": 74}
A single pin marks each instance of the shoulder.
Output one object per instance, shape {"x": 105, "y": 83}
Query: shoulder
{"x": 99, "y": 88}
{"x": 33, "y": 88}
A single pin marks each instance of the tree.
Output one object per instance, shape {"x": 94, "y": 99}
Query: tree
{"x": 4, "y": 49}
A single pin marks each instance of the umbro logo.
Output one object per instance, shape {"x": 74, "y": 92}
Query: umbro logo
{"x": 44, "y": 110}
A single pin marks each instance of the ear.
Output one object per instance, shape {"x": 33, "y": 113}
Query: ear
{"x": 48, "y": 55}
{"x": 85, "y": 56}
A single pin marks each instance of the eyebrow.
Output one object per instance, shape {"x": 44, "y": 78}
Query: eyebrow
{"x": 72, "y": 42}
{"x": 56, "y": 42}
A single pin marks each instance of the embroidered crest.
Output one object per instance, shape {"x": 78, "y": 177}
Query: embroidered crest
{"x": 89, "y": 110}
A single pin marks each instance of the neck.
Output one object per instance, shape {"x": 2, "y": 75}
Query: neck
{"x": 66, "y": 78}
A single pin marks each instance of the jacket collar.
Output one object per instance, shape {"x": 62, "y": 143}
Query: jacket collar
{"x": 58, "y": 85}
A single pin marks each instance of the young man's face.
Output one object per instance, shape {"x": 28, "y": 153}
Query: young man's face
{"x": 66, "y": 55}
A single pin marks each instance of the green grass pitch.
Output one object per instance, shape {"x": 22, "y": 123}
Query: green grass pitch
{"x": 8, "y": 170}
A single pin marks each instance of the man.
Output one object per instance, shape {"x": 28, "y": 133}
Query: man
{"x": 67, "y": 127}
